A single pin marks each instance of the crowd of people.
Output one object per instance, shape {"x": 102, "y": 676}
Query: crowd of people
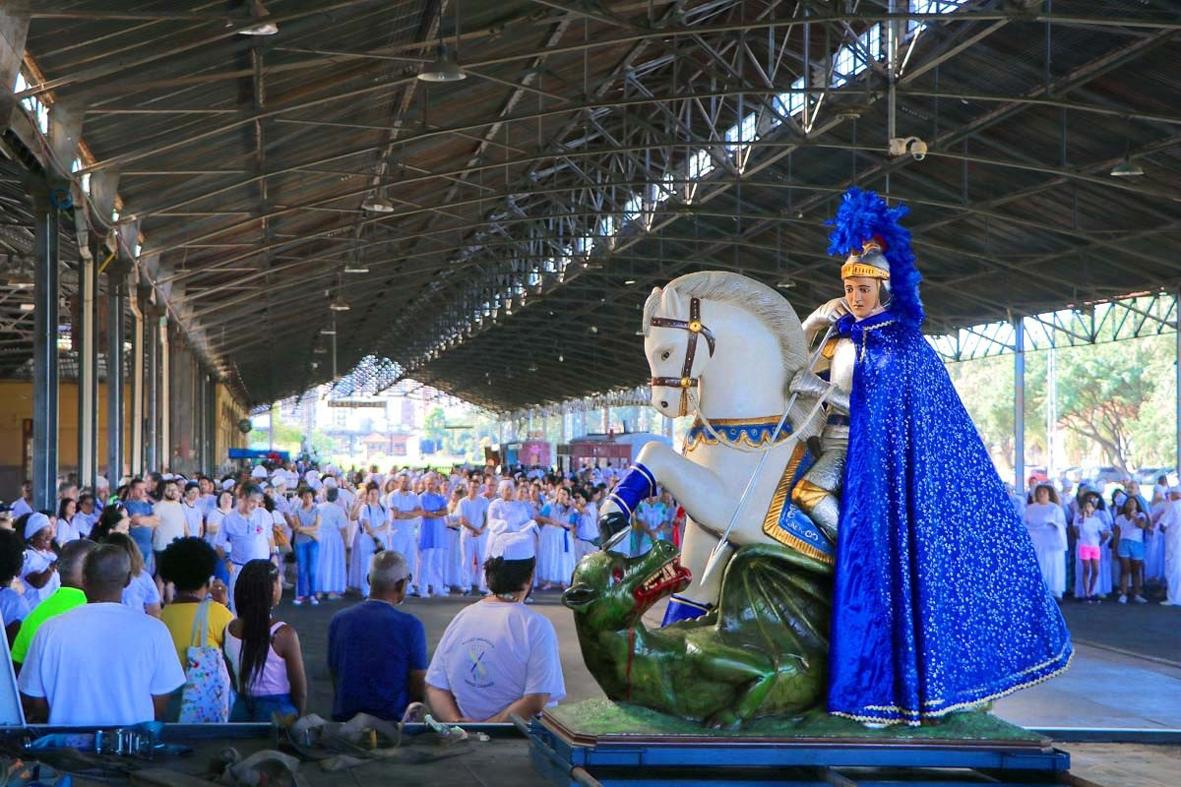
{"x": 1094, "y": 548}
{"x": 191, "y": 571}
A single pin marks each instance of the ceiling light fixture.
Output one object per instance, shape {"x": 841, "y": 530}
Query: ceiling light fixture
{"x": 629, "y": 282}
{"x": 377, "y": 204}
{"x": 327, "y": 331}
{"x": 262, "y": 28}
{"x": 339, "y": 304}
{"x": 445, "y": 66}
{"x": 786, "y": 284}
{"x": 354, "y": 269}
{"x": 1126, "y": 169}
{"x": 27, "y": 307}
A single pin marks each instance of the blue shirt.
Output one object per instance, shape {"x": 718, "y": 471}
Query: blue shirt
{"x": 433, "y": 533}
{"x": 372, "y": 649}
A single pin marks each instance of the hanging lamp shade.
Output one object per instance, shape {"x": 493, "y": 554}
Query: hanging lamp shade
{"x": 1126, "y": 169}
{"x": 262, "y": 27}
{"x": 444, "y": 68}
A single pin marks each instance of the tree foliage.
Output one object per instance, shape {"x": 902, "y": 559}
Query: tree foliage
{"x": 1115, "y": 402}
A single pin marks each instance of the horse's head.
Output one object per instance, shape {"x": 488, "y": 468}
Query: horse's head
{"x": 679, "y": 347}
{"x": 611, "y": 591}
{"x": 687, "y": 322}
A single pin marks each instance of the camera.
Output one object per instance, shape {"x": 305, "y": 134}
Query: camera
{"x": 908, "y": 146}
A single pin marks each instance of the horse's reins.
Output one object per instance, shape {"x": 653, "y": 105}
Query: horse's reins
{"x": 695, "y": 328}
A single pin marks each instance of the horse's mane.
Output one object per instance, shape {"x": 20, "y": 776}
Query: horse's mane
{"x": 760, "y": 300}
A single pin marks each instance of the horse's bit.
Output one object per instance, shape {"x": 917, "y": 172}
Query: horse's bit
{"x": 695, "y": 328}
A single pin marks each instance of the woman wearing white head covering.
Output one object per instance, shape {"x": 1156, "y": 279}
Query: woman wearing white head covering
{"x": 39, "y": 570}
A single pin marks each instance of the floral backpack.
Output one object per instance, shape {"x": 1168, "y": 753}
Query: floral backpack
{"x": 208, "y": 693}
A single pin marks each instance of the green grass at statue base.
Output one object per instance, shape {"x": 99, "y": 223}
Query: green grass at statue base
{"x": 604, "y": 718}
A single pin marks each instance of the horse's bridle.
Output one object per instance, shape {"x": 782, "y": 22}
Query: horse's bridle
{"x": 695, "y": 328}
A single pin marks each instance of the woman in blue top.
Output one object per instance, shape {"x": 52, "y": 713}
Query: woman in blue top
{"x": 306, "y": 543}
{"x": 938, "y": 602}
{"x": 555, "y": 554}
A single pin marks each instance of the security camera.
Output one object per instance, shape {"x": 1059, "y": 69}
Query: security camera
{"x": 908, "y": 146}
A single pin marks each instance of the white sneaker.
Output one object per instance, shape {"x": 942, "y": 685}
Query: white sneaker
{"x": 1168, "y": 604}
{"x": 1140, "y": 600}
{"x": 315, "y": 602}
{"x": 1123, "y": 599}
{"x": 298, "y": 602}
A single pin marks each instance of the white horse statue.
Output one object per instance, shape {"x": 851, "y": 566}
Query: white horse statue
{"x": 731, "y": 352}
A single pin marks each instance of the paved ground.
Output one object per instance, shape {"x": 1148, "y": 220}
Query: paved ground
{"x": 1110, "y": 684}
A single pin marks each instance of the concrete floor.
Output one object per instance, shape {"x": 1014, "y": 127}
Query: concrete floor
{"x": 1108, "y": 685}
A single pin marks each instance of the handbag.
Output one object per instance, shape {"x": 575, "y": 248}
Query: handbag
{"x": 208, "y": 694}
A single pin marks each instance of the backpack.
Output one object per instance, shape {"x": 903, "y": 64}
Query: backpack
{"x": 208, "y": 693}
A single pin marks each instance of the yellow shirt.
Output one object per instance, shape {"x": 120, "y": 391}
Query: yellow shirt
{"x": 179, "y": 620}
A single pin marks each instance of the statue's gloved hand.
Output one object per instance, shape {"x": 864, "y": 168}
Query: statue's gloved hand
{"x": 807, "y": 384}
{"x": 824, "y": 316}
{"x": 611, "y": 522}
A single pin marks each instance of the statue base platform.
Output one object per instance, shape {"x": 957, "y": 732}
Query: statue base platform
{"x": 609, "y": 743}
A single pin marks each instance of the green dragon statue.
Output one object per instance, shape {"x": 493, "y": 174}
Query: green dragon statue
{"x": 761, "y": 652}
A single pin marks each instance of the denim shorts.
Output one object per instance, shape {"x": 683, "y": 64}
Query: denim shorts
{"x": 1133, "y": 550}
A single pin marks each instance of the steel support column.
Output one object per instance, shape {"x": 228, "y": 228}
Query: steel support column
{"x": 87, "y": 343}
{"x": 152, "y": 393}
{"x": 116, "y": 293}
{"x": 137, "y": 301}
{"x": 46, "y": 285}
{"x": 1177, "y": 387}
{"x": 1019, "y": 405}
{"x": 164, "y": 406}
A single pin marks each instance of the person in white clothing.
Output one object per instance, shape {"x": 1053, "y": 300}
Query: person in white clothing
{"x": 63, "y": 682}
{"x": 473, "y": 538}
{"x": 1170, "y": 526}
{"x": 1047, "y": 529}
{"x": 171, "y": 517}
{"x": 372, "y": 536}
{"x": 1130, "y": 528}
{"x": 405, "y": 516}
{"x": 498, "y": 659}
{"x": 334, "y": 528}
{"x": 453, "y": 575}
{"x": 1091, "y": 533}
{"x": 506, "y": 514}
{"x": 586, "y": 532}
{"x": 193, "y": 511}
{"x": 248, "y": 533}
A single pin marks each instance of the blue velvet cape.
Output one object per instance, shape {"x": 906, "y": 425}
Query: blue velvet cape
{"x": 938, "y": 601}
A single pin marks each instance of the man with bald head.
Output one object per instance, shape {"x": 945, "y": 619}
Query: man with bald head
{"x": 100, "y": 664}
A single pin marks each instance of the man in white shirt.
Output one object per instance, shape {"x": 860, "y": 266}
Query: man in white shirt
{"x": 193, "y": 511}
{"x": 498, "y": 658}
{"x": 473, "y": 537}
{"x": 23, "y": 504}
{"x": 171, "y": 516}
{"x": 248, "y": 531}
{"x": 61, "y": 680}
{"x": 405, "y": 515}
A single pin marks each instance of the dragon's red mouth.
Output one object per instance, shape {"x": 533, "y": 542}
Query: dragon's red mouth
{"x": 669, "y": 578}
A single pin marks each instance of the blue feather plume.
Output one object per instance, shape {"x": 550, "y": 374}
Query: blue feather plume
{"x": 864, "y": 215}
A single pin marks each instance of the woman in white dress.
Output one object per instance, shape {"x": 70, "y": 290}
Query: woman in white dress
{"x": 39, "y": 567}
{"x": 334, "y": 527}
{"x": 1047, "y": 530}
{"x": 555, "y": 556}
{"x": 373, "y": 535}
{"x": 453, "y": 576}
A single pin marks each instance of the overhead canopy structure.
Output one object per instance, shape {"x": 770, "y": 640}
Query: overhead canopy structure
{"x": 517, "y": 218}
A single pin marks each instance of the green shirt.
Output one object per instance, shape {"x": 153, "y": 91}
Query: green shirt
{"x": 63, "y": 600}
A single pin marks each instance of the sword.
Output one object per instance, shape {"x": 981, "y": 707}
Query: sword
{"x": 716, "y": 554}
